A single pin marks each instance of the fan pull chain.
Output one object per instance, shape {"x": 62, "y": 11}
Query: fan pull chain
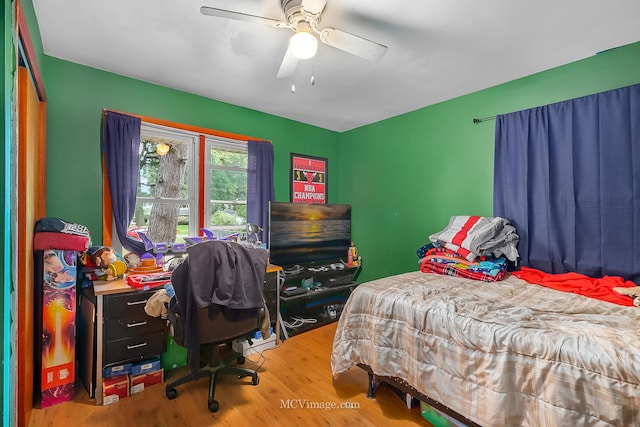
{"x": 313, "y": 71}
{"x": 293, "y": 75}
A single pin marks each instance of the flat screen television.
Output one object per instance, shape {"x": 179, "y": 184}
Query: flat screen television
{"x": 303, "y": 233}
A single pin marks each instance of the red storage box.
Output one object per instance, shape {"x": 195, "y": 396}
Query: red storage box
{"x": 115, "y": 388}
{"x": 142, "y": 381}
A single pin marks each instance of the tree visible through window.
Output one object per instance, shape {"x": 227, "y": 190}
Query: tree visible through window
{"x": 227, "y": 186}
{"x": 168, "y": 185}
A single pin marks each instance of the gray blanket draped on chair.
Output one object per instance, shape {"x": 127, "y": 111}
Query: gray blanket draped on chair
{"x": 222, "y": 276}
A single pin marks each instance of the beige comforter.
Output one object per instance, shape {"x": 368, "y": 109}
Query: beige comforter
{"x": 501, "y": 354}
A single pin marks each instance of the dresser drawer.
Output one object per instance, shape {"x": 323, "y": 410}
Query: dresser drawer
{"x": 128, "y": 304}
{"x": 137, "y": 347}
{"x": 130, "y": 326}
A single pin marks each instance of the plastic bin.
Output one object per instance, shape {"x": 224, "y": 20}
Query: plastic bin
{"x": 174, "y": 357}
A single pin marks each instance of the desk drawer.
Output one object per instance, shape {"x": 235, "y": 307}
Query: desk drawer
{"x": 128, "y": 304}
{"x": 138, "y": 347}
{"x": 131, "y": 326}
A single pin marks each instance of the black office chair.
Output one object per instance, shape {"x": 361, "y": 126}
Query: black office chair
{"x": 215, "y": 324}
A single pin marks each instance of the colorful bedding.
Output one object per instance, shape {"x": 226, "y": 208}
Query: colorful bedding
{"x": 598, "y": 288}
{"x": 444, "y": 261}
{"x": 501, "y": 354}
{"x": 473, "y": 236}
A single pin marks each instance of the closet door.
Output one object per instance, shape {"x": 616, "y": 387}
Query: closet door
{"x": 30, "y": 204}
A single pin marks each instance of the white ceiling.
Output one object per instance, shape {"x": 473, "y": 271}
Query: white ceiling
{"x": 437, "y": 50}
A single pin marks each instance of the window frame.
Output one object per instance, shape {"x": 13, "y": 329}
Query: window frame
{"x": 213, "y": 142}
{"x": 109, "y": 237}
{"x": 192, "y": 140}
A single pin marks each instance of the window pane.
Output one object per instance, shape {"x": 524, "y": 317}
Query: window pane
{"x": 163, "y": 175}
{"x": 228, "y": 185}
{"x": 228, "y": 198}
{"x": 159, "y": 214}
{"x": 229, "y": 214}
{"x": 220, "y": 157}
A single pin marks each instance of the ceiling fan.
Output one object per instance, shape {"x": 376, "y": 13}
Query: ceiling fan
{"x": 303, "y": 17}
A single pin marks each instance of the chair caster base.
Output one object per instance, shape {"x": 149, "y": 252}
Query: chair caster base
{"x": 213, "y": 405}
{"x": 171, "y": 393}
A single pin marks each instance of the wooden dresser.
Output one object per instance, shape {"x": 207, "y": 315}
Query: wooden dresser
{"x": 115, "y": 329}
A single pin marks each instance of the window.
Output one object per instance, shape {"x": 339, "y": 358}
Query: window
{"x": 226, "y": 186}
{"x": 168, "y": 203}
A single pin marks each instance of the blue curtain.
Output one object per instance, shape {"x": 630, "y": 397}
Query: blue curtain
{"x": 121, "y": 142}
{"x": 567, "y": 175}
{"x": 260, "y": 190}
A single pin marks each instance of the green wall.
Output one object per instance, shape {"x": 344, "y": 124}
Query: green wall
{"x": 78, "y": 94}
{"x": 406, "y": 176}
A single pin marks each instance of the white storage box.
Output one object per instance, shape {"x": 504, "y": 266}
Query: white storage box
{"x": 259, "y": 345}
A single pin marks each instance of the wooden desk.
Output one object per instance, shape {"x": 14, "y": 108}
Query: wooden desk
{"x": 272, "y": 268}
{"x": 102, "y": 289}
{"x": 111, "y": 287}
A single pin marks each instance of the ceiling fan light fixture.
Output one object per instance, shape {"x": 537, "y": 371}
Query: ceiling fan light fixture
{"x": 303, "y": 44}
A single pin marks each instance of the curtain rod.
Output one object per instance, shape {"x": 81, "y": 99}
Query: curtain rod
{"x": 483, "y": 119}
{"x": 189, "y": 128}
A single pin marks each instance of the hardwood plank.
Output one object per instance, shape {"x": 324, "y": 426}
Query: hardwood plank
{"x": 295, "y": 381}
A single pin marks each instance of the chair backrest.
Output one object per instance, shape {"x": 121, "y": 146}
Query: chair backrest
{"x": 224, "y": 327}
{"x": 220, "y": 327}
{"x": 219, "y": 297}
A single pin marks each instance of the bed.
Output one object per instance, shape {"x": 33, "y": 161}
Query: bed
{"x": 507, "y": 353}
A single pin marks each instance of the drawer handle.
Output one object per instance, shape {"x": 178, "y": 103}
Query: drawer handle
{"x": 131, "y": 347}
{"x": 133, "y": 325}
{"x": 136, "y": 302}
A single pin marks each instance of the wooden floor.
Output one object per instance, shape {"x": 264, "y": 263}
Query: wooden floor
{"x": 298, "y": 371}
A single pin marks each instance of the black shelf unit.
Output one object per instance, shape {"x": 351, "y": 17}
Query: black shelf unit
{"x": 329, "y": 290}
{"x": 317, "y": 292}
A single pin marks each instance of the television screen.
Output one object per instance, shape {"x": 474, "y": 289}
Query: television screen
{"x": 302, "y": 233}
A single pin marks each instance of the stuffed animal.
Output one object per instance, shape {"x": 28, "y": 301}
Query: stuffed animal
{"x": 102, "y": 263}
{"x": 116, "y": 270}
{"x": 103, "y": 256}
{"x": 633, "y": 292}
{"x": 132, "y": 260}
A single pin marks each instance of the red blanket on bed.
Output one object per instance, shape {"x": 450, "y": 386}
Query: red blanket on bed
{"x": 576, "y": 283}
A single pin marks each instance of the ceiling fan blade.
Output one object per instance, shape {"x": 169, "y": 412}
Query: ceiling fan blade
{"x": 353, "y": 44}
{"x": 314, "y": 7}
{"x": 239, "y": 16}
{"x": 288, "y": 66}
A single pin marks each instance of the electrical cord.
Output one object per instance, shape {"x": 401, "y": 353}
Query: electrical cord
{"x": 294, "y": 269}
{"x": 299, "y": 321}
{"x": 260, "y": 359}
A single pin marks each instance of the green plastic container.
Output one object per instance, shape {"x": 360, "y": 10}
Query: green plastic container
{"x": 174, "y": 357}
{"x": 433, "y": 416}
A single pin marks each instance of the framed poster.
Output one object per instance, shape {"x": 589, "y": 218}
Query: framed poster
{"x": 308, "y": 179}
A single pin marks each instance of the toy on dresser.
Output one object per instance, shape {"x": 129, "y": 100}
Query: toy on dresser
{"x": 102, "y": 263}
{"x": 147, "y": 264}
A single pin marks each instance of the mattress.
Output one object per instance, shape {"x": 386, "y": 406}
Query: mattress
{"x": 507, "y": 353}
